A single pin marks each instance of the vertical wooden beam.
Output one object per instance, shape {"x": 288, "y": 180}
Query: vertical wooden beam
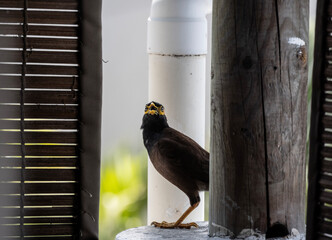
{"x": 238, "y": 191}
{"x": 258, "y": 112}
{"x": 90, "y": 107}
{"x": 285, "y": 97}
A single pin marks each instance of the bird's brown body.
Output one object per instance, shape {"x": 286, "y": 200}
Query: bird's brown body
{"x": 181, "y": 161}
{"x": 175, "y": 156}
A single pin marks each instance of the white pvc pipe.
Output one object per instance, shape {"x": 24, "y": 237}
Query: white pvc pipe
{"x": 177, "y": 47}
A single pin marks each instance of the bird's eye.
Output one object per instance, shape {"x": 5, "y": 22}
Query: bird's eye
{"x": 161, "y": 110}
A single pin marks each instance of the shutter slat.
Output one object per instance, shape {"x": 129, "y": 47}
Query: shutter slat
{"x": 46, "y": 238}
{"x": 38, "y": 137}
{"x": 327, "y": 166}
{"x": 51, "y": 220}
{"x": 46, "y": 4}
{"x": 326, "y": 152}
{"x": 47, "y": 17}
{"x": 326, "y": 181}
{"x": 326, "y": 212}
{"x": 327, "y": 137}
{"x": 328, "y": 86}
{"x": 39, "y": 57}
{"x": 56, "y": 97}
{"x": 40, "y": 200}
{"x": 327, "y": 122}
{"x": 12, "y": 150}
{"x": 40, "y": 211}
{"x": 327, "y": 107}
{"x": 42, "y": 111}
{"x": 39, "y": 69}
{"x": 325, "y": 197}
{"x": 31, "y": 230}
{"x": 41, "y": 125}
{"x": 39, "y": 43}
{"x": 39, "y": 82}
{"x": 65, "y": 31}
{"x": 325, "y": 227}
{"x": 39, "y": 174}
{"x": 328, "y": 72}
{"x": 324, "y": 238}
{"x": 328, "y": 57}
{"x": 39, "y": 162}
{"x": 34, "y": 188}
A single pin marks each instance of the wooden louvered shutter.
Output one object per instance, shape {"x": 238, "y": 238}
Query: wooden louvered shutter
{"x": 319, "y": 208}
{"x": 50, "y": 107}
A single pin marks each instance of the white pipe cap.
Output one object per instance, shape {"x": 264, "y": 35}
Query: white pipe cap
{"x": 178, "y": 27}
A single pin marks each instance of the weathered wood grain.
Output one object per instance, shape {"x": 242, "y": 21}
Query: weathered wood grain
{"x": 258, "y": 112}
{"x": 238, "y": 169}
{"x": 286, "y": 113}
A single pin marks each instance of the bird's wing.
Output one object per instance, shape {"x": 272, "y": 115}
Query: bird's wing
{"x": 182, "y": 154}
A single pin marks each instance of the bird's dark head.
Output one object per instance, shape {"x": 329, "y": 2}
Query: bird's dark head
{"x": 154, "y": 117}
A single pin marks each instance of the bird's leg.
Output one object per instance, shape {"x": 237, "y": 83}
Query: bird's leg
{"x": 178, "y": 223}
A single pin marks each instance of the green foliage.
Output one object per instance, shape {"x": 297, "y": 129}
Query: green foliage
{"x": 123, "y": 192}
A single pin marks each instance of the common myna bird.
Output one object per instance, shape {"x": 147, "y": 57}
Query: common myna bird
{"x": 177, "y": 158}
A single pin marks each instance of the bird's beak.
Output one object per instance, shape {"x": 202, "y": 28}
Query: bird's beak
{"x": 152, "y": 109}
{"x": 151, "y": 112}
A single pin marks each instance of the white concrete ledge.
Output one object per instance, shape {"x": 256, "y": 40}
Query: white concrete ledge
{"x": 201, "y": 233}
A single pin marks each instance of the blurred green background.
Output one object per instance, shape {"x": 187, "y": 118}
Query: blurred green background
{"x": 123, "y": 192}
{"x": 123, "y": 199}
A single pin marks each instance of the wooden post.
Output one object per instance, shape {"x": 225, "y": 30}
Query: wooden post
{"x": 258, "y": 112}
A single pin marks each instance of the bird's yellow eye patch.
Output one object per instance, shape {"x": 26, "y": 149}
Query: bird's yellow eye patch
{"x": 161, "y": 110}
{"x": 146, "y": 109}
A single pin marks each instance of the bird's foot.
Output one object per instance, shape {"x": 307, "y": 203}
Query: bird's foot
{"x": 173, "y": 225}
